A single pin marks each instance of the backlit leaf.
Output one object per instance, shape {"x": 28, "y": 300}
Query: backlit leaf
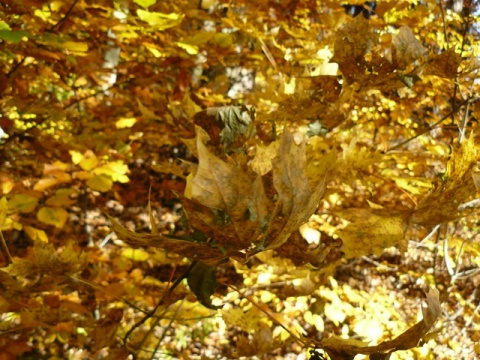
{"x": 23, "y": 203}
{"x": 100, "y": 183}
{"x": 135, "y": 254}
{"x": 160, "y": 21}
{"x": 36, "y": 234}
{"x": 371, "y": 231}
{"x": 88, "y": 161}
{"x": 53, "y": 216}
{"x": 117, "y": 170}
{"x": 406, "y": 48}
{"x": 145, "y": 3}
{"x": 124, "y": 123}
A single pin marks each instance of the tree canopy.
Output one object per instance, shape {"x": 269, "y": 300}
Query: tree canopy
{"x": 169, "y": 163}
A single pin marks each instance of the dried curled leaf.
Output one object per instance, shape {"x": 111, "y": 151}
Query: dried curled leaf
{"x": 224, "y": 124}
{"x": 297, "y": 196}
{"x": 229, "y": 206}
{"x": 202, "y": 281}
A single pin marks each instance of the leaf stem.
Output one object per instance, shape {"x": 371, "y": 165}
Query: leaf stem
{"x": 160, "y": 302}
{"x": 4, "y": 243}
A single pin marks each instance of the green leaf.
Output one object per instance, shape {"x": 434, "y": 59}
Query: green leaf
{"x": 13, "y": 36}
{"x": 232, "y": 120}
{"x": 203, "y": 283}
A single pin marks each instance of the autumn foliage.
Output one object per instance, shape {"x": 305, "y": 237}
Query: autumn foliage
{"x": 167, "y": 164}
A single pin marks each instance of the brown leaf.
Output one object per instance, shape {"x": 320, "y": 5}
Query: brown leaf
{"x": 406, "y": 48}
{"x": 352, "y": 43}
{"x": 297, "y": 201}
{"x": 224, "y": 188}
{"x": 202, "y": 252}
{"x": 444, "y": 65}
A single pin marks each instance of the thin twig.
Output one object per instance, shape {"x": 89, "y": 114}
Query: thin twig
{"x": 4, "y": 243}
{"x": 299, "y": 340}
{"x": 430, "y": 128}
{"x": 160, "y": 302}
{"x": 65, "y": 16}
{"x": 101, "y": 288}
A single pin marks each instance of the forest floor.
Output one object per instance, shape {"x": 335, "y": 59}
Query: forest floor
{"x": 370, "y": 298}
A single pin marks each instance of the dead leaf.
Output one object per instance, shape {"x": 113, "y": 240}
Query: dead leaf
{"x": 297, "y": 198}
{"x": 444, "y": 64}
{"x": 406, "y": 48}
{"x": 224, "y": 124}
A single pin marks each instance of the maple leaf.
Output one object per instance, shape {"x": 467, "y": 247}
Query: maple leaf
{"x": 297, "y": 194}
{"x": 230, "y": 207}
{"x": 458, "y": 184}
{"x": 49, "y": 261}
{"x": 224, "y": 124}
{"x": 371, "y": 231}
{"x": 406, "y": 48}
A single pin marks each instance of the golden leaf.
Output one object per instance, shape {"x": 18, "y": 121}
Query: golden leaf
{"x": 371, "y": 231}
{"x": 53, "y": 216}
{"x": 457, "y": 186}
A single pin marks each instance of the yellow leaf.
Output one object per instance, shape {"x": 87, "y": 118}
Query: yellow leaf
{"x": 36, "y": 234}
{"x": 82, "y": 175}
{"x": 188, "y": 187}
{"x": 22, "y": 203}
{"x": 223, "y": 40}
{"x": 124, "y": 123}
{"x": 160, "y": 21}
{"x": 262, "y": 162}
{"x": 62, "y": 197}
{"x": 135, "y": 254}
{"x": 455, "y": 188}
{"x": 46, "y": 183}
{"x": 75, "y": 46}
{"x": 53, "y": 216}
{"x": 154, "y": 50}
{"x": 145, "y": 3}
{"x": 146, "y": 112}
{"x": 191, "y": 49}
{"x": 371, "y": 231}
{"x": 76, "y": 156}
{"x": 100, "y": 183}
{"x": 189, "y": 106}
{"x": 89, "y": 160}
{"x": 9, "y": 224}
{"x": 6, "y": 184}
{"x": 3, "y": 210}
{"x": 115, "y": 169}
